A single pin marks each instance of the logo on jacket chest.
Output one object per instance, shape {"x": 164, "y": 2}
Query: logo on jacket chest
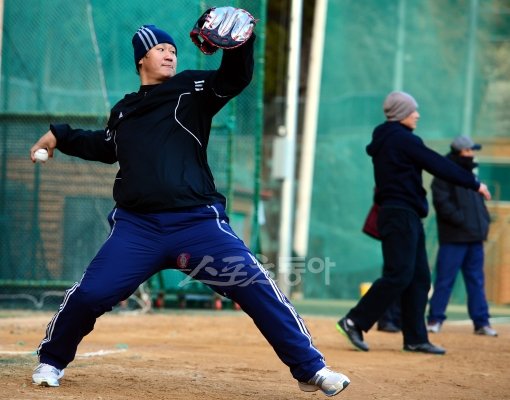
{"x": 199, "y": 85}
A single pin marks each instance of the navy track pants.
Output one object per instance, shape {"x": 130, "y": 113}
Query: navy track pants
{"x": 200, "y": 242}
{"x": 468, "y": 258}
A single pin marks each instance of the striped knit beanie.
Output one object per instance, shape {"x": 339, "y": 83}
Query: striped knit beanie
{"x": 146, "y": 38}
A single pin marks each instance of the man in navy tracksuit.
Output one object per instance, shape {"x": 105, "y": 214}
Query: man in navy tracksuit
{"x": 398, "y": 157}
{"x": 168, "y": 212}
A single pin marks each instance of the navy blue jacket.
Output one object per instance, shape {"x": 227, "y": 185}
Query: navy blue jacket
{"x": 461, "y": 214}
{"x": 399, "y": 157}
{"x": 159, "y": 136}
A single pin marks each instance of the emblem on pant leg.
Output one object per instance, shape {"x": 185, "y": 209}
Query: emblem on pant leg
{"x": 183, "y": 260}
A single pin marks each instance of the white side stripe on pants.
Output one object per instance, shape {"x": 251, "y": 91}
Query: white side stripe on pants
{"x": 283, "y": 299}
{"x": 51, "y": 325}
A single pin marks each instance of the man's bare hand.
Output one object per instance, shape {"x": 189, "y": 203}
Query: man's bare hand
{"x": 48, "y": 141}
{"x": 484, "y": 191}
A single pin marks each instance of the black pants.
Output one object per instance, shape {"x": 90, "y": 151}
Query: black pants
{"x": 406, "y": 275}
{"x": 392, "y": 315}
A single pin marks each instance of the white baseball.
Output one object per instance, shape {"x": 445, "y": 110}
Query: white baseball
{"x": 41, "y": 155}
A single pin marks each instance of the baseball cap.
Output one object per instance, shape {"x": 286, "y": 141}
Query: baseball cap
{"x": 464, "y": 142}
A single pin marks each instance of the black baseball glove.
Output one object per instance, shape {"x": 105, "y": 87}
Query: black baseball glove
{"x": 222, "y": 28}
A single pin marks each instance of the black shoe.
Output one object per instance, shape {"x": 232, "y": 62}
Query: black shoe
{"x": 428, "y": 348}
{"x": 388, "y": 327}
{"x": 353, "y": 333}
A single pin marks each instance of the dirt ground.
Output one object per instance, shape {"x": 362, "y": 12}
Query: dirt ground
{"x": 221, "y": 355}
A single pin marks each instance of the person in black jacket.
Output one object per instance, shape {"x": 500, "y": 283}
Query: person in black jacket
{"x": 168, "y": 213}
{"x": 399, "y": 157}
{"x": 462, "y": 226}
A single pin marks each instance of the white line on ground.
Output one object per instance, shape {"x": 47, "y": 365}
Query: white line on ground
{"x": 101, "y": 353}
{"x": 496, "y": 320}
{"x": 89, "y": 354}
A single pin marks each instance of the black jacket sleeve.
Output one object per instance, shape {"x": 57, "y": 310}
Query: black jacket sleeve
{"x": 85, "y": 144}
{"x": 235, "y": 71}
{"x": 438, "y": 165}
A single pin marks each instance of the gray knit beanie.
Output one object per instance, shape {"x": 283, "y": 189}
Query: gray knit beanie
{"x": 399, "y": 105}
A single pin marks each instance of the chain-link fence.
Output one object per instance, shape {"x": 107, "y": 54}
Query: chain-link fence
{"x": 70, "y": 61}
{"x": 66, "y": 61}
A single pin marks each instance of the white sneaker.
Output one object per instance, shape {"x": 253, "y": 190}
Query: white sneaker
{"x": 486, "y": 330}
{"x": 47, "y": 375}
{"x": 434, "y": 327}
{"x": 331, "y": 383}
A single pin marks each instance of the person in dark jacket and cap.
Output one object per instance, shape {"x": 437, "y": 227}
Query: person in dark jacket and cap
{"x": 399, "y": 157}
{"x": 462, "y": 226}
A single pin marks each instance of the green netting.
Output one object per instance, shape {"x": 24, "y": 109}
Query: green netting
{"x": 70, "y": 61}
{"x": 452, "y": 55}
{"x": 449, "y": 55}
